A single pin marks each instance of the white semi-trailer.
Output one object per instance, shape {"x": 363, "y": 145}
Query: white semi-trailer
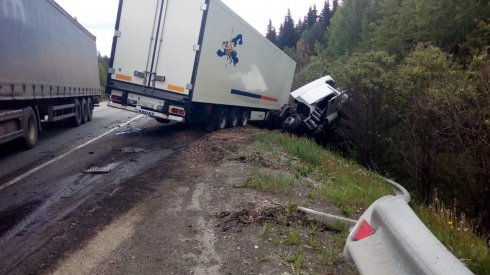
{"x": 196, "y": 61}
{"x": 48, "y": 69}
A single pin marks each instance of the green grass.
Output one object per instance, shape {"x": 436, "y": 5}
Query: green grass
{"x": 345, "y": 183}
{"x": 313, "y": 228}
{"x": 352, "y": 188}
{"x": 273, "y": 184}
{"x": 328, "y": 257}
{"x": 313, "y": 242}
{"x": 266, "y": 229}
{"x": 456, "y": 233}
{"x": 295, "y": 260}
{"x": 293, "y": 238}
{"x": 308, "y": 152}
{"x": 263, "y": 254}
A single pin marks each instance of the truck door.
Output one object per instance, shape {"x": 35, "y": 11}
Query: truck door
{"x": 159, "y": 51}
{"x": 176, "y": 51}
{"x": 136, "y": 38}
{"x": 333, "y": 104}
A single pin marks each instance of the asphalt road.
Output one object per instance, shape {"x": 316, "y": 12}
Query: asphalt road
{"x": 55, "y": 139}
{"x": 44, "y": 192}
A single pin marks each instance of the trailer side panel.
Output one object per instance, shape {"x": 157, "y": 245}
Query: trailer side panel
{"x": 49, "y": 54}
{"x": 239, "y": 66}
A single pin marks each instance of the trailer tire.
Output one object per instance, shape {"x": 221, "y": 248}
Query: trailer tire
{"x": 243, "y": 117}
{"x": 30, "y": 128}
{"x": 270, "y": 119}
{"x": 291, "y": 123}
{"x": 76, "y": 120}
{"x": 84, "y": 111}
{"x": 234, "y": 117}
{"x": 222, "y": 118}
{"x": 90, "y": 106}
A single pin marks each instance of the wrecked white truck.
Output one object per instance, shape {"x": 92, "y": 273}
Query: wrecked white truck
{"x": 316, "y": 106}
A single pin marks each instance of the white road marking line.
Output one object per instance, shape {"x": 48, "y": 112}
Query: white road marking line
{"x": 64, "y": 155}
{"x": 101, "y": 109}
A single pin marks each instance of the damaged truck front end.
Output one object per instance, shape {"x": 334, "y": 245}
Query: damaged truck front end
{"x": 316, "y": 106}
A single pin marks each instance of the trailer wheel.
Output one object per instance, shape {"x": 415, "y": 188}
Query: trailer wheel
{"x": 243, "y": 117}
{"x": 234, "y": 117}
{"x": 222, "y": 118}
{"x": 291, "y": 123}
{"x": 30, "y": 128}
{"x": 271, "y": 119}
{"x": 84, "y": 111}
{"x": 76, "y": 120}
{"x": 90, "y": 106}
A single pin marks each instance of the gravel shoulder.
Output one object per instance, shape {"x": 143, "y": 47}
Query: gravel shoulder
{"x": 198, "y": 216}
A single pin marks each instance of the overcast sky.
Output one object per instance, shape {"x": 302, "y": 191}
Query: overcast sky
{"x": 99, "y": 16}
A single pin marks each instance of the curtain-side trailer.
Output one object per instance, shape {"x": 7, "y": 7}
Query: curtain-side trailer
{"x": 196, "y": 61}
{"x": 48, "y": 69}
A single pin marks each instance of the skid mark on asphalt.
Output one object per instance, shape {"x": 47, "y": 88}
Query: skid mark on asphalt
{"x": 99, "y": 248}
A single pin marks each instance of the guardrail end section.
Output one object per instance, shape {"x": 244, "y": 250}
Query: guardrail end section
{"x": 389, "y": 238}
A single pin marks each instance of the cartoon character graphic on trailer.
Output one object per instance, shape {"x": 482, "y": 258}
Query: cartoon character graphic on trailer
{"x": 229, "y": 49}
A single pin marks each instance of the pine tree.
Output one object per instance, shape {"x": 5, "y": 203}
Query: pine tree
{"x": 287, "y": 34}
{"x": 315, "y": 13}
{"x": 325, "y": 15}
{"x": 311, "y": 17}
{"x": 271, "y": 33}
{"x": 335, "y": 5}
{"x": 300, "y": 27}
{"x": 279, "y": 36}
{"x": 308, "y": 18}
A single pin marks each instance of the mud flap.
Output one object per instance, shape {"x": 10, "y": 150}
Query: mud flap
{"x": 213, "y": 119}
{"x": 39, "y": 126}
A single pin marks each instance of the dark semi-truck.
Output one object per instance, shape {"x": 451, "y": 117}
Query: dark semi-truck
{"x": 48, "y": 69}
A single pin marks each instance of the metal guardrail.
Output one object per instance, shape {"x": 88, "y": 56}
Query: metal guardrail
{"x": 389, "y": 238}
{"x": 326, "y": 218}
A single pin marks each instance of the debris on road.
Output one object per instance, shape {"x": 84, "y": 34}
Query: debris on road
{"x": 92, "y": 169}
{"x": 130, "y": 150}
{"x": 130, "y": 130}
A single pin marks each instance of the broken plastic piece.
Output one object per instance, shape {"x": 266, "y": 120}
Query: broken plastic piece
{"x": 92, "y": 169}
{"x": 129, "y": 131}
{"x": 130, "y": 150}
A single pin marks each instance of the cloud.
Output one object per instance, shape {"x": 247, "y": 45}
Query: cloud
{"x": 104, "y": 40}
{"x": 99, "y": 16}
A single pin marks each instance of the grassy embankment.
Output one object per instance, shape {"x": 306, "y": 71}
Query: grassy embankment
{"x": 351, "y": 187}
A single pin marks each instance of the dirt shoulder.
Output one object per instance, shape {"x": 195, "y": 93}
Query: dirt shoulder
{"x": 222, "y": 205}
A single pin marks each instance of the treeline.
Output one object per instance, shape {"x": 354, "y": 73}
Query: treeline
{"x": 418, "y": 76}
{"x": 103, "y": 62}
{"x": 298, "y": 40}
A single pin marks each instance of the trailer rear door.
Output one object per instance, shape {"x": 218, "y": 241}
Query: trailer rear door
{"x": 156, "y": 47}
{"x": 138, "y": 23}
